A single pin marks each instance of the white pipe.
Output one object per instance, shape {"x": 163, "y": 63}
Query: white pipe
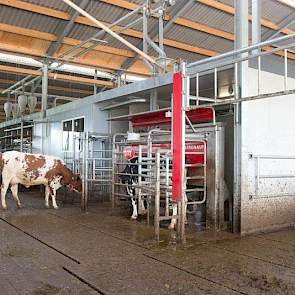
{"x": 105, "y": 28}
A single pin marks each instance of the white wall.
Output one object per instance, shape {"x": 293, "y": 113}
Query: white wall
{"x": 95, "y": 121}
{"x": 268, "y": 128}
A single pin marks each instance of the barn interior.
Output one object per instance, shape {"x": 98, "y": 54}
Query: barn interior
{"x": 176, "y": 117}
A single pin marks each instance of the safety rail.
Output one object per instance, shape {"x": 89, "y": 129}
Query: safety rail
{"x": 258, "y": 194}
{"x": 231, "y": 61}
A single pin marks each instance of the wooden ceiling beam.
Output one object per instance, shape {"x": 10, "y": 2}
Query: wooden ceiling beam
{"x": 129, "y": 32}
{"x": 230, "y": 10}
{"x": 53, "y": 87}
{"x": 56, "y": 76}
{"x": 83, "y": 20}
{"x": 68, "y": 41}
{"x": 131, "y": 6}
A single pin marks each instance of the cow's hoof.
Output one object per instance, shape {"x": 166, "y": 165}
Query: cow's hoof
{"x": 4, "y": 208}
{"x": 47, "y": 206}
{"x": 19, "y": 206}
{"x": 133, "y": 217}
{"x": 56, "y": 207}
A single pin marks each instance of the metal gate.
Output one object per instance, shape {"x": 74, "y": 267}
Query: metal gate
{"x": 91, "y": 158}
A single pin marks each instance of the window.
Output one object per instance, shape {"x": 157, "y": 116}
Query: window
{"x": 79, "y": 125}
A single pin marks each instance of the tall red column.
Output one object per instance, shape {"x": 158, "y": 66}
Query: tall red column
{"x": 177, "y": 138}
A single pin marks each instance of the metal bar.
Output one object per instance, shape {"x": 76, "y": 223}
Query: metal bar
{"x": 242, "y": 50}
{"x": 236, "y": 81}
{"x": 155, "y": 46}
{"x": 259, "y": 76}
{"x": 215, "y": 84}
{"x": 190, "y": 123}
{"x": 157, "y": 199}
{"x": 256, "y": 21}
{"x": 273, "y": 157}
{"x": 21, "y": 135}
{"x": 286, "y": 22}
{"x": 44, "y": 87}
{"x": 109, "y": 31}
{"x": 16, "y": 84}
{"x": 100, "y": 33}
{"x": 277, "y": 176}
{"x": 285, "y": 69}
{"x": 161, "y": 35}
{"x": 197, "y": 88}
{"x": 127, "y": 102}
{"x": 94, "y": 85}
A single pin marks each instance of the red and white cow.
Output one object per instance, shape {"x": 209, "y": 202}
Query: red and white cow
{"x": 34, "y": 169}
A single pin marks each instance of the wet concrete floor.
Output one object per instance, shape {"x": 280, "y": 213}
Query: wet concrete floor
{"x": 47, "y": 251}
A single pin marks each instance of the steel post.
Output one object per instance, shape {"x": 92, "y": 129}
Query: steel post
{"x": 21, "y": 135}
{"x": 157, "y": 198}
{"x": 241, "y": 43}
{"x": 256, "y": 23}
{"x": 44, "y": 88}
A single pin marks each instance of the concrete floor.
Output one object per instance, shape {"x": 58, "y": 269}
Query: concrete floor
{"x": 47, "y": 251}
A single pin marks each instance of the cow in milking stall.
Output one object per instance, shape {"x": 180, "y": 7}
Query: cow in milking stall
{"x": 35, "y": 169}
{"x": 129, "y": 177}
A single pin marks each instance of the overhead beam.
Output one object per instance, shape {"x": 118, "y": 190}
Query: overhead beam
{"x": 131, "y": 33}
{"x": 56, "y": 76}
{"x": 288, "y": 21}
{"x": 230, "y": 10}
{"x": 64, "y": 30}
{"x": 52, "y": 87}
{"x": 109, "y": 31}
{"x": 131, "y": 6}
{"x": 67, "y": 41}
{"x": 177, "y": 10}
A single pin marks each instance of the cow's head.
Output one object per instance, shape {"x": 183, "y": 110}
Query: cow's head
{"x": 76, "y": 184}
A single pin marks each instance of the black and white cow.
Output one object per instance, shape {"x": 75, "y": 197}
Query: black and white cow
{"x": 129, "y": 177}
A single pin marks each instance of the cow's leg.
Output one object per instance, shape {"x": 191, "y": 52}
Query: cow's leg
{"x": 53, "y": 195}
{"x": 14, "y": 190}
{"x": 141, "y": 204}
{"x": 47, "y": 194}
{"x": 134, "y": 209}
{"x": 4, "y": 188}
{"x": 173, "y": 219}
{"x": 131, "y": 193}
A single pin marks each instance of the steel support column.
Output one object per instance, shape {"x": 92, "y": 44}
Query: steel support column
{"x": 256, "y": 22}
{"x": 44, "y": 88}
{"x": 241, "y": 35}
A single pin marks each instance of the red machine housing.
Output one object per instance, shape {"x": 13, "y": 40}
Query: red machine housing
{"x": 159, "y": 118}
{"x": 131, "y": 151}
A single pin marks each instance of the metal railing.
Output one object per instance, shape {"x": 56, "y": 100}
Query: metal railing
{"x": 258, "y": 176}
{"x": 231, "y": 60}
{"x": 91, "y": 158}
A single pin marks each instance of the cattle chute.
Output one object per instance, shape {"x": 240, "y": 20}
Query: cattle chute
{"x": 203, "y": 162}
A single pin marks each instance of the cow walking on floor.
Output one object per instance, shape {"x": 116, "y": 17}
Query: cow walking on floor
{"x": 34, "y": 169}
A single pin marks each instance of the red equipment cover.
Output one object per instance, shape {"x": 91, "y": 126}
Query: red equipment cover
{"x": 131, "y": 151}
{"x": 201, "y": 115}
